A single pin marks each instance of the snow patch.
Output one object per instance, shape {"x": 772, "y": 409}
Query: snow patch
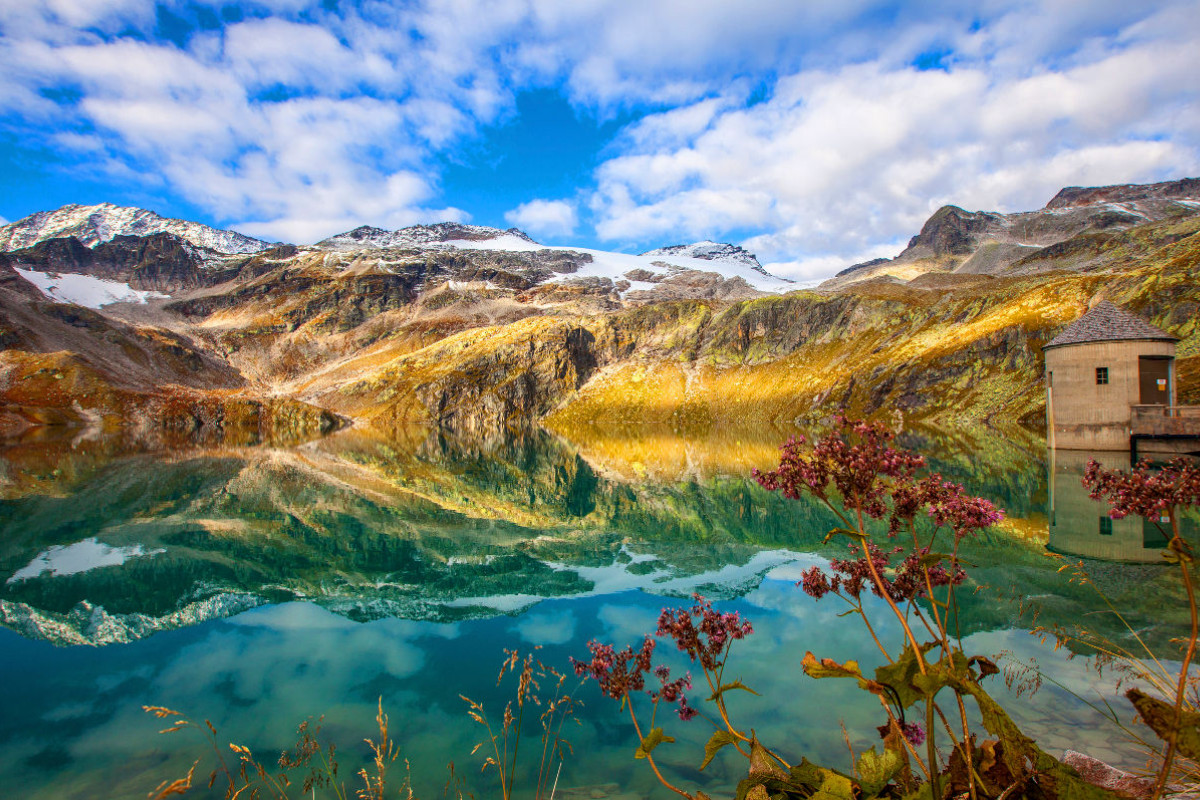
{"x": 100, "y": 223}
{"x": 71, "y": 559}
{"x": 506, "y": 242}
{"x": 709, "y": 251}
{"x": 613, "y": 266}
{"x": 84, "y": 290}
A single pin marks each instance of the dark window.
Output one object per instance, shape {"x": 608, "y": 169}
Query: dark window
{"x": 1050, "y": 379}
{"x": 1106, "y": 526}
{"x": 1101, "y": 375}
{"x": 1154, "y": 535}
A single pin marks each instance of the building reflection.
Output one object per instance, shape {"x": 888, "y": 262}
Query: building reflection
{"x": 1081, "y": 526}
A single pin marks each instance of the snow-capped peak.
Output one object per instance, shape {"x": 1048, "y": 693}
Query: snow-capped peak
{"x": 419, "y": 236}
{"x": 100, "y": 223}
{"x": 709, "y": 251}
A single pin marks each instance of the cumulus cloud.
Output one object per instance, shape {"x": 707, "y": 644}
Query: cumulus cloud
{"x": 815, "y": 132}
{"x": 545, "y": 217}
{"x": 556, "y": 627}
{"x": 285, "y": 128}
{"x": 837, "y": 163}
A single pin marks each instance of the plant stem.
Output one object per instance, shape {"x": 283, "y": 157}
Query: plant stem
{"x": 883, "y": 590}
{"x": 1180, "y": 548}
{"x": 513, "y": 768}
{"x": 721, "y": 704}
{"x": 931, "y": 748}
{"x": 903, "y": 739}
{"x": 650, "y": 757}
{"x": 968, "y": 746}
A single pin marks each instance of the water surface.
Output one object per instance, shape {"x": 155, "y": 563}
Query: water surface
{"x": 256, "y": 587}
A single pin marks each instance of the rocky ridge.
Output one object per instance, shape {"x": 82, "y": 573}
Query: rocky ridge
{"x": 417, "y": 236}
{"x": 92, "y": 225}
{"x": 710, "y": 251}
{"x": 1079, "y": 221}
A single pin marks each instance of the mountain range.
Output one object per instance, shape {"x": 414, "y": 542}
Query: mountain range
{"x": 163, "y": 330}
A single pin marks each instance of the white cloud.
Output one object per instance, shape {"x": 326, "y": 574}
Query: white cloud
{"x": 805, "y": 123}
{"x": 545, "y": 217}
{"x": 837, "y": 164}
{"x": 547, "y": 628}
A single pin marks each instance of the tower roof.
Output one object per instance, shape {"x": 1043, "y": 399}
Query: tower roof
{"x": 1106, "y": 322}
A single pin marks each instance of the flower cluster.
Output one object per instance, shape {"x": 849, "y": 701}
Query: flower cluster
{"x": 911, "y": 579}
{"x": 869, "y": 475}
{"x": 618, "y": 674}
{"x": 912, "y": 731}
{"x": 1144, "y": 491}
{"x": 946, "y": 503}
{"x": 858, "y": 462}
{"x": 706, "y": 642}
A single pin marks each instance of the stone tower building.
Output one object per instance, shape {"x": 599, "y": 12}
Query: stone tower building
{"x": 1097, "y": 370}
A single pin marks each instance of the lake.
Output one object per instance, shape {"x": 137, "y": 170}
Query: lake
{"x": 256, "y": 587}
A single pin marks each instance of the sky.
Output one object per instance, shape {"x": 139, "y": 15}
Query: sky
{"x": 816, "y": 133}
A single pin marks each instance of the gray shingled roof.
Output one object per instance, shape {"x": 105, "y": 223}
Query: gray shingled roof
{"x": 1109, "y": 323}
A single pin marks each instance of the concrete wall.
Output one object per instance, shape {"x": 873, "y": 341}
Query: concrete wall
{"x": 1082, "y": 415}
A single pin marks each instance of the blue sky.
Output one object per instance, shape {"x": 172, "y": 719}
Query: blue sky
{"x": 815, "y": 133}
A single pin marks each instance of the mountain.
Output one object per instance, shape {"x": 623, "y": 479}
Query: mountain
{"x": 499, "y": 333}
{"x": 421, "y": 235}
{"x": 92, "y": 225}
{"x": 710, "y": 251}
{"x": 1073, "y": 230}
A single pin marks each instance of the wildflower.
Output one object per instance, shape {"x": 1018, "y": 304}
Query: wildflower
{"x": 612, "y": 670}
{"x": 707, "y": 641}
{"x": 914, "y": 733}
{"x": 1145, "y": 492}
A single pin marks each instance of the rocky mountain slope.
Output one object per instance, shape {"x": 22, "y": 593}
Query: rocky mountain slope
{"x": 92, "y": 225}
{"x": 417, "y": 235}
{"x": 493, "y": 333}
{"x": 710, "y": 251}
{"x": 1072, "y": 231}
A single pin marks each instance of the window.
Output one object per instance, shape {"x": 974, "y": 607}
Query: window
{"x": 1106, "y": 526}
{"x": 1101, "y": 376}
{"x": 1050, "y": 379}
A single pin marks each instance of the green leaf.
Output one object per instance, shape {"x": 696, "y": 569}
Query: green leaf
{"x": 762, "y": 763}
{"x": 1160, "y": 717}
{"x": 899, "y": 677}
{"x": 828, "y": 668}
{"x": 932, "y": 681}
{"x": 834, "y": 787}
{"x": 652, "y": 741}
{"x": 876, "y": 770}
{"x": 718, "y": 740}
{"x": 853, "y": 534}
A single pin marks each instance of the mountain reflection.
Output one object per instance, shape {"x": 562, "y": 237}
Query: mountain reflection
{"x": 420, "y": 527}
{"x": 99, "y": 546}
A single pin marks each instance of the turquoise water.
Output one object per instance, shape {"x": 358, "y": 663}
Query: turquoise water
{"x": 257, "y": 587}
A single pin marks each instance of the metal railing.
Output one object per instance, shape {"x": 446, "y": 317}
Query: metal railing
{"x": 1174, "y": 412}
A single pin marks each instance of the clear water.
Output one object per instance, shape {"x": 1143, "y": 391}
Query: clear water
{"x": 258, "y": 587}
